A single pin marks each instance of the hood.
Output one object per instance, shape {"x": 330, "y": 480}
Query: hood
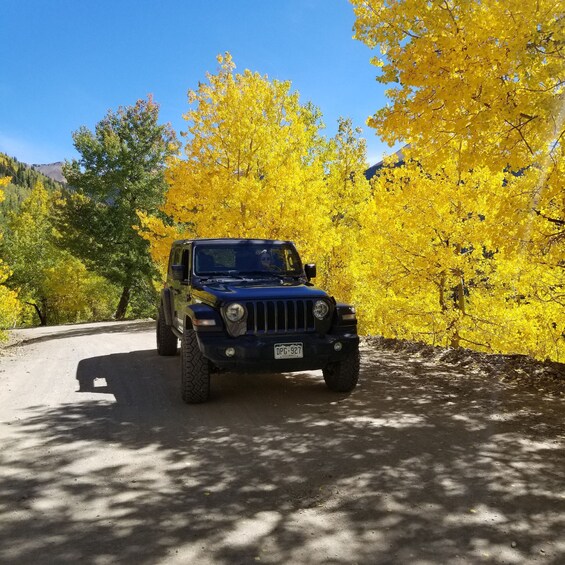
{"x": 264, "y": 290}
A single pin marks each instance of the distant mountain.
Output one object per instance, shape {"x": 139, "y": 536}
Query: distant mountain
{"x": 372, "y": 171}
{"x": 52, "y": 170}
{"x": 25, "y": 176}
{"x": 22, "y": 180}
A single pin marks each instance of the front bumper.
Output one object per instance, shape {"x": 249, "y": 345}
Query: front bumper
{"x": 256, "y": 353}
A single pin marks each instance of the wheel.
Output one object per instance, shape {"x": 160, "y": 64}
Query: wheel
{"x": 195, "y": 370}
{"x": 166, "y": 339}
{"x": 342, "y": 376}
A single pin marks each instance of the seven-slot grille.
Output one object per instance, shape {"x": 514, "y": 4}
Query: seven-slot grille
{"x": 279, "y": 316}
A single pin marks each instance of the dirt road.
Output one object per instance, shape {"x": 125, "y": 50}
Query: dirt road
{"x": 423, "y": 463}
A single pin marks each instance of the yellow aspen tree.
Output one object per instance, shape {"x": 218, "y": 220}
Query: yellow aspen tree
{"x": 485, "y": 74}
{"x": 425, "y": 250}
{"x": 348, "y": 193}
{"x": 10, "y": 306}
{"x": 478, "y": 93}
{"x": 255, "y": 165}
{"x": 482, "y": 80}
{"x": 440, "y": 265}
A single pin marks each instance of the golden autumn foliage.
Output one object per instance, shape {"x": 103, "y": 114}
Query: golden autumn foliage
{"x": 256, "y": 165}
{"x": 471, "y": 231}
{"x": 443, "y": 266}
{"x": 483, "y": 74}
{"x": 9, "y": 304}
{"x": 478, "y": 82}
{"x": 253, "y": 157}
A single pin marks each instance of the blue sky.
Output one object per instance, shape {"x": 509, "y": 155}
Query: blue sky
{"x": 65, "y": 63}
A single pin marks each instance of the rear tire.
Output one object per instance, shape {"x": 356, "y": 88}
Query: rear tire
{"x": 166, "y": 340}
{"x": 342, "y": 376}
{"x": 195, "y": 371}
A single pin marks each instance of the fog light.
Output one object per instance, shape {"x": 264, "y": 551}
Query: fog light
{"x": 230, "y": 352}
{"x": 338, "y": 346}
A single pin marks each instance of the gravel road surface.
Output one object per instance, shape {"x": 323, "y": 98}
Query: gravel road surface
{"x": 424, "y": 463}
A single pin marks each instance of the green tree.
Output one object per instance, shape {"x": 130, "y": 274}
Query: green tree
{"x": 119, "y": 172}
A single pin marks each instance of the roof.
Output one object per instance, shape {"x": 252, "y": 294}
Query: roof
{"x": 221, "y": 240}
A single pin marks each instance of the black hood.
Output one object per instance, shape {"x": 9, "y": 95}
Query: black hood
{"x": 261, "y": 290}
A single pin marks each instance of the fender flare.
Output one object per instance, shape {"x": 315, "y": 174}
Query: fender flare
{"x": 196, "y": 313}
{"x": 344, "y": 316}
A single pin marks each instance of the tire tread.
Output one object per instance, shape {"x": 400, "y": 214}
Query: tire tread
{"x": 195, "y": 371}
{"x": 343, "y": 375}
{"x": 167, "y": 342}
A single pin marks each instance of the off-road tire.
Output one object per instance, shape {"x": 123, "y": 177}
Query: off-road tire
{"x": 166, "y": 340}
{"x": 195, "y": 371}
{"x": 343, "y": 375}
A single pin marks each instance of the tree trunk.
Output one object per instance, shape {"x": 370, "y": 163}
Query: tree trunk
{"x": 42, "y": 315}
{"x": 455, "y": 340}
{"x": 460, "y": 294}
{"x": 123, "y": 304}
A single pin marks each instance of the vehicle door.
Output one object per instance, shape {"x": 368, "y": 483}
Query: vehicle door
{"x": 183, "y": 298}
{"x": 177, "y": 287}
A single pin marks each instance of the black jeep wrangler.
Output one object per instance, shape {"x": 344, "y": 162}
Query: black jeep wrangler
{"x": 248, "y": 305}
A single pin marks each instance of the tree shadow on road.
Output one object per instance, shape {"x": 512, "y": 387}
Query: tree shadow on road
{"x": 422, "y": 463}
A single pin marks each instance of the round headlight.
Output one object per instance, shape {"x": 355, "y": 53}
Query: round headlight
{"x": 235, "y": 312}
{"x": 320, "y": 309}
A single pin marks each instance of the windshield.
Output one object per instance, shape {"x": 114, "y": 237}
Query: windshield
{"x": 246, "y": 258}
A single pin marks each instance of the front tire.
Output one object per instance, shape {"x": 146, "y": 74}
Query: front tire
{"x": 342, "y": 376}
{"x": 195, "y": 371}
{"x": 166, "y": 340}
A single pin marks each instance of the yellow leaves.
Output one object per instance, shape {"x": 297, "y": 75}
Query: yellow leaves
{"x": 74, "y": 294}
{"x": 433, "y": 250}
{"x": 254, "y": 157}
{"x": 10, "y": 306}
{"x": 479, "y": 222}
{"x": 160, "y": 237}
{"x": 485, "y": 71}
{"x": 3, "y": 182}
{"x": 452, "y": 261}
{"x": 257, "y": 166}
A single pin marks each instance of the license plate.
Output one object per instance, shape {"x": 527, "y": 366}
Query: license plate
{"x": 288, "y": 351}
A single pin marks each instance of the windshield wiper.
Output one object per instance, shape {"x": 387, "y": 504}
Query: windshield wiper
{"x": 220, "y": 274}
{"x": 267, "y": 274}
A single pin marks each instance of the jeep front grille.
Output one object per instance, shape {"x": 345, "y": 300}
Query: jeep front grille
{"x": 279, "y": 316}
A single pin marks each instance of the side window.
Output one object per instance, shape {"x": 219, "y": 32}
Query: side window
{"x": 185, "y": 263}
{"x": 174, "y": 258}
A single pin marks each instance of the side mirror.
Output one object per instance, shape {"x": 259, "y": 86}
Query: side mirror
{"x": 310, "y": 270}
{"x": 178, "y": 272}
